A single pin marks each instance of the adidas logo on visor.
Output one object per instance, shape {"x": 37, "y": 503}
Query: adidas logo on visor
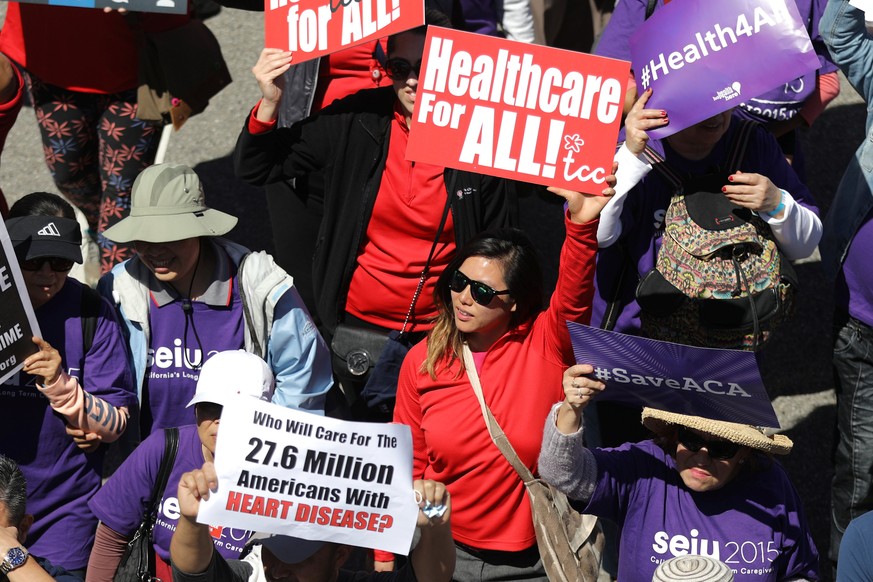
{"x": 49, "y": 230}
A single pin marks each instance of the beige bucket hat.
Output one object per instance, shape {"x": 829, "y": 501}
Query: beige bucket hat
{"x": 167, "y": 204}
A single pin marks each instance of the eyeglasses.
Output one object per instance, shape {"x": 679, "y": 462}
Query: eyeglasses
{"x": 481, "y": 293}
{"x": 721, "y": 450}
{"x": 398, "y": 68}
{"x": 57, "y": 264}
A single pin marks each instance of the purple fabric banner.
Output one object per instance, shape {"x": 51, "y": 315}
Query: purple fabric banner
{"x": 702, "y": 57}
{"x": 708, "y": 382}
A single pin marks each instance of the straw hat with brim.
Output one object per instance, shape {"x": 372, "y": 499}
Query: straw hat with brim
{"x": 167, "y": 204}
{"x": 662, "y": 423}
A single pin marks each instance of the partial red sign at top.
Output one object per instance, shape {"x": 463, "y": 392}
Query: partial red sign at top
{"x": 314, "y": 28}
{"x": 517, "y": 110}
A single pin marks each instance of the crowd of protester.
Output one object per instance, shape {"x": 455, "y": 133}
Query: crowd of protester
{"x": 371, "y": 245}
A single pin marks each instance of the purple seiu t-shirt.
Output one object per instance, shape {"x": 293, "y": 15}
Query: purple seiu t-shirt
{"x": 178, "y": 350}
{"x": 779, "y": 104}
{"x": 854, "y": 287}
{"x": 60, "y": 477}
{"x": 121, "y": 502}
{"x": 755, "y": 523}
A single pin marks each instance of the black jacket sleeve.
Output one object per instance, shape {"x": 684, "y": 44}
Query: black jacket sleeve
{"x": 310, "y": 144}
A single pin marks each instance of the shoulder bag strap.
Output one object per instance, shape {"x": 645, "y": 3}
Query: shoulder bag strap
{"x": 588, "y": 522}
{"x": 426, "y": 268}
{"x": 660, "y": 164}
{"x": 171, "y": 446}
{"x": 497, "y": 434}
{"x": 737, "y": 151}
{"x": 89, "y": 312}
{"x": 379, "y": 54}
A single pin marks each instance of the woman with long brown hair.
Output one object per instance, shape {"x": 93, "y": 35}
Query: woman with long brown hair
{"x": 489, "y": 300}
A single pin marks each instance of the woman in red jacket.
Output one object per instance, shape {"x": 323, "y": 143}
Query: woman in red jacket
{"x": 489, "y": 298}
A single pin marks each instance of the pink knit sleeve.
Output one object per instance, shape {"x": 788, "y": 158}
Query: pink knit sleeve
{"x": 83, "y": 410}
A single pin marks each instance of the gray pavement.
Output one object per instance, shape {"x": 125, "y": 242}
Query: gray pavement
{"x": 204, "y": 142}
{"x": 795, "y": 365}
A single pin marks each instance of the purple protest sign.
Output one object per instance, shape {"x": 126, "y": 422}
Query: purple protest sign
{"x": 708, "y": 382}
{"x": 702, "y": 57}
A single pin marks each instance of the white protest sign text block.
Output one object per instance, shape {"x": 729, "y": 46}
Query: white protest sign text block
{"x": 290, "y": 472}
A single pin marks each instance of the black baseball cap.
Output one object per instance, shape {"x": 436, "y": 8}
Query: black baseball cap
{"x": 37, "y": 236}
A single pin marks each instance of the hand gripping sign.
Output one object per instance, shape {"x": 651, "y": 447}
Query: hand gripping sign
{"x": 702, "y": 57}
{"x": 18, "y": 322}
{"x": 517, "y": 110}
{"x": 713, "y": 383}
{"x": 289, "y": 472}
{"x": 314, "y": 28}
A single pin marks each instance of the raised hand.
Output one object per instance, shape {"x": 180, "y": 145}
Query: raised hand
{"x": 579, "y": 389}
{"x": 586, "y": 207}
{"x": 640, "y": 120}
{"x": 193, "y": 487}
{"x": 578, "y": 392}
{"x": 268, "y": 72}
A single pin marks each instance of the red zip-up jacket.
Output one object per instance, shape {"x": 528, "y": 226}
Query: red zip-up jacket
{"x": 521, "y": 379}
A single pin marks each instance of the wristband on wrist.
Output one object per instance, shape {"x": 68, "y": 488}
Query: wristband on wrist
{"x": 781, "y": 207}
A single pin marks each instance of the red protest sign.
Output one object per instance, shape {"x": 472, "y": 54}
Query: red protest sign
{"x": 516, "y": 110}
{"x": 314, "y": 28}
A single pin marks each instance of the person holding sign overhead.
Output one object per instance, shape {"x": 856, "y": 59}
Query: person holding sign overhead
{"x": 490, "y": 299}
{"x": 387, "y": 232}
{"x": 274, "y": 557}
{"x": 73, "y": 394}
{"x": 700, "y": 486}
{"x": 124, "y": 498}
{"x": 632, "y": 226}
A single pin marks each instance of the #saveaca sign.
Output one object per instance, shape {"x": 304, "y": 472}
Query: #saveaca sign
{"x": 517, "y": 110}
{"x": 712, "y": 383}
{"x": 314, "y": 28}
{"x": 702, "y": 57}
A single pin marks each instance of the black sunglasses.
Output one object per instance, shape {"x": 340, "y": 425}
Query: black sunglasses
{"x": 481, "y": 293}
{"x": 721, "y": 450}
{"x": 57, "y": 264}
{"x": 398, "y": 68}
